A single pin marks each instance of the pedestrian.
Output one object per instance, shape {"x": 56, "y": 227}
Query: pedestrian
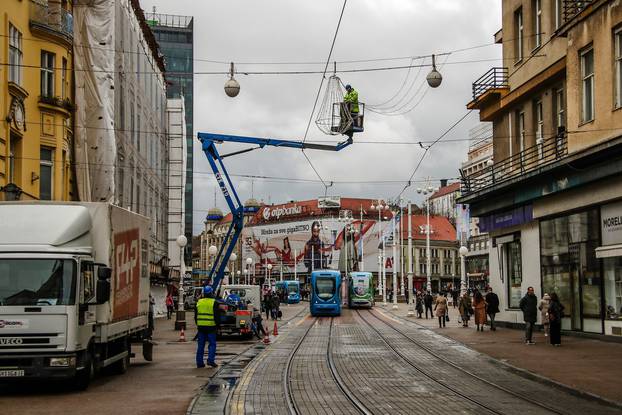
{"x": 169, "y": 306}
{"x": 479, "y": 310}
{"x": 492, "y": 307}
{"x": 440, "y": 309}
{"x": 454, "y": 297}
{"x": 427, "y": 302}
{"x": 267, "y": 305}
{"x": 544, "y": 313}
{"x": 556, "y": 313}
{"x": 419, "y": 305}
{"x": 206, "y": 317}
{"x": 151, "y": 314}
{"x": 274, "y": 306}
{"x": 258, "y": 322}
{"x": 529, "y": 305}
{"x": 465, "y": 309}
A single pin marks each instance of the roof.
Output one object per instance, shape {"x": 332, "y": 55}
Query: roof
{"x": 148, "y": 34}
{"x": 441, "y": 228}
{"x": 450, "y": 188}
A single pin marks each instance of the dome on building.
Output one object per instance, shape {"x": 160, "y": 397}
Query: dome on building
{"x": 251, "y": 206}
{"x": 214, "y": 214}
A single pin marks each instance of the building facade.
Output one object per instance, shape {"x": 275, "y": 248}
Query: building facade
{"x": 551, "y": 200}
{"x": 121, "y": 137}
{"x": 175, "y": 36}
{"x": 37, "y": 101}
{"x": 443, "y": 200}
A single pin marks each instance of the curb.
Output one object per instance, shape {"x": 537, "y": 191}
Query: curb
{"x": 526, "y": 373}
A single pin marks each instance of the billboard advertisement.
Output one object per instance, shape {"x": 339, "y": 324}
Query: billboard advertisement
{"x": 308, "y": 245}
{"x": 329, "y": 202}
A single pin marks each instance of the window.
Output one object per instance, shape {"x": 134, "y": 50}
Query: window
{"x": 422, "y": 269}
{"x": 521, "y": 131}
{"x": 539, "y": 120}
{"x": 514, "y": 274}
{"x": 560, "y": 108}
{"x": 434, "y": 253}
{"x": 63, "y": 74}
{"x": 537, "y": 22}
{"x": 447, "y": 269}
{"x": 47, "y": 74}
{"x": 435, "y": 269}
{"x": 15, "y": 160}
{"x": 618, "y": 68}
{"x": 613, "y": 287}
{"x": 422, "y": 252}
{"x": 87, "y": 274}
{"x": 519, "y": 30}
{"x": 587, "y": 85}
{"x": 46, "y": 173}
{"x": 15, "y": 55}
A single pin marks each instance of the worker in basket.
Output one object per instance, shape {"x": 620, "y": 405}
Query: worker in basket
{"x": 351, "y": 105}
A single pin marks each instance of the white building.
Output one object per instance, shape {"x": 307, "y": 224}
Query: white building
{"x": 175, "y": 119}
{"x": 121, "y": 139}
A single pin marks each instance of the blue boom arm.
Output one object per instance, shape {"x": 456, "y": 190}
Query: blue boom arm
{"x": 208, "y": 142}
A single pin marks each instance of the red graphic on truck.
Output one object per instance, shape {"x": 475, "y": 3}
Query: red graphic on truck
{"x": 126, "y": 278}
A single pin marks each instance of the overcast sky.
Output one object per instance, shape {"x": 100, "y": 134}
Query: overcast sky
{"x": 279, "y": 106}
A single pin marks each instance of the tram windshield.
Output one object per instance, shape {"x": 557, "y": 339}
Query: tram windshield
{"x": 292, "y": 289}
{"x": 325, "y": 288}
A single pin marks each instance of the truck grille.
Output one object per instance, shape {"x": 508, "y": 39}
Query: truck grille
{"x": 28, "y": 341}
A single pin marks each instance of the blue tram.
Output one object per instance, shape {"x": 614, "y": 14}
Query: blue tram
{"x": 289, "y": 291}
{"x": 325, "y": 299}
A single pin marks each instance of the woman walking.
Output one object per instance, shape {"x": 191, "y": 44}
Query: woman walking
{"x": 556, "y": 313}
{"x": 440, "y": 309}
{"x": 419, "y": 305}
{"x": 465, "y": 309}
{"x": 544, "y": 312}
{"x": 479, "y": 307}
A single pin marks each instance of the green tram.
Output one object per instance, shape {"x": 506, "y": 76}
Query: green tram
{"x": 361, "y": 292}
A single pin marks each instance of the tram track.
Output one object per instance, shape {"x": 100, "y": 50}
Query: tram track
{"x": 287, "y": 378}
{"x": 453, "y": 365}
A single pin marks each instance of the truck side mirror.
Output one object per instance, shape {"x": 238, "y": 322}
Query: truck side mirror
{"x": 103, "y": 291}
{"x": 104, "y": 273}
{"x": 103, "y": 284}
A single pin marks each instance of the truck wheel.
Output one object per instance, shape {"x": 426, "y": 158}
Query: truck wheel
{"x": 120, "y": 366}
{"x": 83, "y": 377}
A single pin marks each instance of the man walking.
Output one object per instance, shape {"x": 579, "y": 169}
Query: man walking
{"x": 427, "y": 301}
{"x": 206, "y": 317}
{"x": 492, "y": 307}
{"x": 529, "y": 305}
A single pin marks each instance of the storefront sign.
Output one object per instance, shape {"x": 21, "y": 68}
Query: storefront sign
{"x": 496, "y": 221}
{"x": 277, "y": 212}
{"x": 611, "y": 223}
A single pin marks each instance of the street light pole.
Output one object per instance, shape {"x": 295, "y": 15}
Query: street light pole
{"x": 463, "y": 251}
{"x": 394, "y": 268}
{"x": 180, "y": 318}
{"x": 427, "y": 247}
{"x": 411, "y": 310}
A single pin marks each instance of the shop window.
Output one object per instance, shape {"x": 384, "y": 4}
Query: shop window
{"x": 46, "y": 173}
{"x": 514, "y": 272}
{"x": 15, "y": 55}
{"x": 587, "y": 85}
{"x": 613, "y": 287}
{"x": 47, "y": 74}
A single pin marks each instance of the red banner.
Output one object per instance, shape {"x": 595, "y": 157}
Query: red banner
{"x": 126, "y": 278}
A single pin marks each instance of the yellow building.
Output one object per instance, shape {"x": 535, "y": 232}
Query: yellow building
{"x": 36, "y": 99}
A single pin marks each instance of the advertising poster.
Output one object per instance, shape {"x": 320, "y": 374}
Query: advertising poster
{"x": 314, "y": 244}
{"x": 126, "y": 276}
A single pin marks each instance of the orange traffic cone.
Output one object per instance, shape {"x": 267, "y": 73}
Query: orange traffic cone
{"x": 182, "y": 335}
{"x": 266, "y": 337}
{"x": 275, "y": 330}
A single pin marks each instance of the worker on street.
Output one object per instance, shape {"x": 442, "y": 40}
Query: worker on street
{"x": 206, "y": 317}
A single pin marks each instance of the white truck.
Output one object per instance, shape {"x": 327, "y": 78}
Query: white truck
{"x": 74, "y": 289}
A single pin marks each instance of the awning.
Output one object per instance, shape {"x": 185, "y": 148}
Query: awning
{"x": 609, "y": 251}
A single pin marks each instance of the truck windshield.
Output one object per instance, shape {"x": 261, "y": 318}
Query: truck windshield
{"x": 37, "y": 282}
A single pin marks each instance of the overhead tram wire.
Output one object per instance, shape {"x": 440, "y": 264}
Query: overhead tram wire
{"x": 427, "y": 149}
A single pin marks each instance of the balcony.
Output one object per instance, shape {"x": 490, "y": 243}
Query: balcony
{"x": 51, "y": 19}
{"x": 495, "y": 80}
{"x": 547, "y": 151}
{"x": 57, "y": 102}
{"x": 574, "y": 7}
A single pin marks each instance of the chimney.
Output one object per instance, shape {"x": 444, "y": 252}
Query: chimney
{"x": 443, "y": 183}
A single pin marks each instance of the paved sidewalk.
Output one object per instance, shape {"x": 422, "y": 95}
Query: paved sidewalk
{"x": 587, "y": 365}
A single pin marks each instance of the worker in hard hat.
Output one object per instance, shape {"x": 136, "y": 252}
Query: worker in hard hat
{"x": 351, "y": 104}
{"x": 206, "y": 317}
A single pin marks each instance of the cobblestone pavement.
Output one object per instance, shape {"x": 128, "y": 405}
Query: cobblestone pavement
{"x": 388, "y": 366}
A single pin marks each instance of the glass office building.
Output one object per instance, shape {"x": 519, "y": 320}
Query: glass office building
{"x": 175, "y": 37}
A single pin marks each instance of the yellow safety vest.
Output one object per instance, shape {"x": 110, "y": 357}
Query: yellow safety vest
{"x": 205, "y": 312}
